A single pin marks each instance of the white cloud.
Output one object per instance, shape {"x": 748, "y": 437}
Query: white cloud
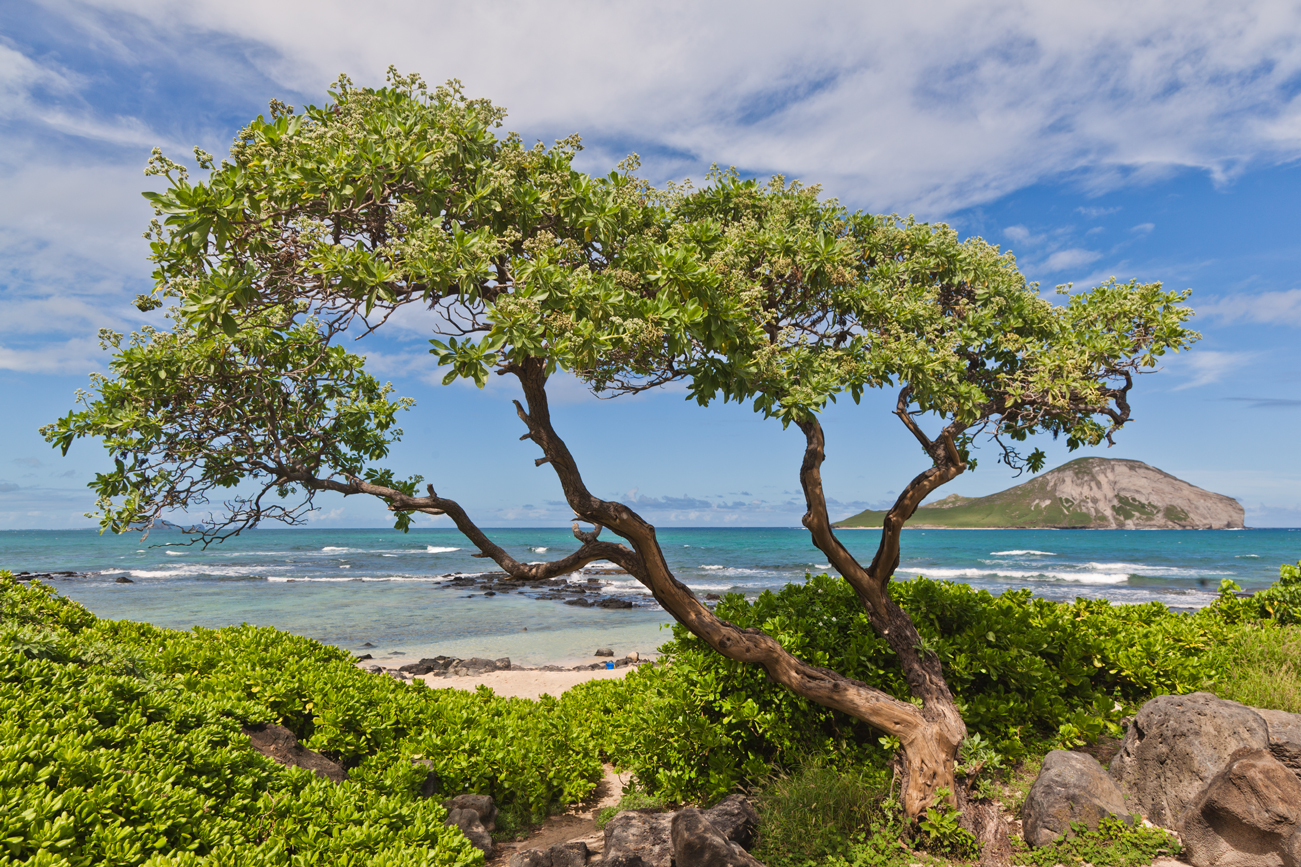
{"x": 1268, "y": 308}
{"x": 78, "y": 355}
{"x": 1143, "y": 228}
{"x": 1206, "y": 366}
{"x": 901, "y": 106}
{"x": 1075, "y": 257}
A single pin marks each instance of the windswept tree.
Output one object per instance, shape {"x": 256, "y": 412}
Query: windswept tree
{"x": 326, "y": 223}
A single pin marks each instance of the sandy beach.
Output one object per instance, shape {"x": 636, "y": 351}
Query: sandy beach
{"x": 524, "y": 684}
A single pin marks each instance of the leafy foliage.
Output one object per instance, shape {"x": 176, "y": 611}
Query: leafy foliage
{"x": 121, "y": 743}
{"x": 1022, "y": 669}
{"x": 1113, "y": 843}
{"x": 1280, "y": 602}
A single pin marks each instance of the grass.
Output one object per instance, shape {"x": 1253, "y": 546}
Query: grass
{"x": 817, "y": 811}
{"x": 630, "y": 801}
{"x": 1266, "y": 668}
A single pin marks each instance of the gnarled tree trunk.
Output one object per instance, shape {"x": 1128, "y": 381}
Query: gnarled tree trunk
{"x": 930, "y": 735}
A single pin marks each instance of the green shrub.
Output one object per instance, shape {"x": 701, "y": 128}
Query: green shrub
{"x": 1114, "y": 843}
{"x": 1280, "y": 602}
{"x": 1021, "y": 668}
{"x": 120, "y": 743}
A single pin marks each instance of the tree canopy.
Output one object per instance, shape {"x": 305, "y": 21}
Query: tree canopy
{"x": 325, "y": 223}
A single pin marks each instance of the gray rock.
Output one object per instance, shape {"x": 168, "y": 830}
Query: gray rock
{"x": 613, "y": 604}
{"x": 736, "y": 819}
{"x": 1176, "y": 745}
{"x": 571, "y": 854}
{"x": 481, "y": 805}
{"x": 468, "y": 822}
{"x": 531, "y": 858}
{"x": 697, "y": 843}
{"x": 432, "y": 784}
{"x": 279, "y": 745}
{"x": 634, "y": 835}
{"x": 1071, "y": 787}
{"x": 1284, "y": 736}
{"x": 1249, "y": 815}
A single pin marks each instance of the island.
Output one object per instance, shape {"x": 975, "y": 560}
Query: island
{"x": 1087, "y": 493}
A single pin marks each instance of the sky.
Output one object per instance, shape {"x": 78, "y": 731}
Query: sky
{"x": 1152, "y": 140}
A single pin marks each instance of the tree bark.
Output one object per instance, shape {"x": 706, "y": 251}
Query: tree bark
{"x": 931, "y": 748}
{"x": 930, "y": 735}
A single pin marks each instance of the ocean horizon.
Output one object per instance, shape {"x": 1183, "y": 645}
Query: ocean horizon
{"x": 403, "y": 596}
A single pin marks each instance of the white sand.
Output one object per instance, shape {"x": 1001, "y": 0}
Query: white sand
{"x": 525, "y": 684}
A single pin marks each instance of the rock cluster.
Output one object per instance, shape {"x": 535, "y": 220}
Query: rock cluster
{"x": 1224, "y": 776}
{"x": 717, "y": 837}
{"x": 587, "y": 594}
{"x": 450, "y": 666}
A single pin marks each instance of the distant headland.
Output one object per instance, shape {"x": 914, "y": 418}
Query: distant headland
{"x": 1088, "y": 493}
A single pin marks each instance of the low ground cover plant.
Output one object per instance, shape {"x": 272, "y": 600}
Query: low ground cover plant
{"x": 1024, "y": 671}
{"x": 121, "y": 743}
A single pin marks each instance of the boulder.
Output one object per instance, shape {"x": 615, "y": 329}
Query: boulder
{"x": 481, "y": 805}
{"x": 468, "y": 823}
{"x": 1176, "y": 745}
{"x": 1249, "y": 815}
{"x": 632, "y": 837}
{"x": 644, "y": 839}
{"x": 571, "y": 854}
{"x": 279, "y": 745}
{"x": 1284, "y": 736}
{"x": 604, "y": 651}
{"x": 736, "y": 819}
{"x": 615, "y": 604}
{"x": 697, "y": 843}
{"x": 1071, "y": 787}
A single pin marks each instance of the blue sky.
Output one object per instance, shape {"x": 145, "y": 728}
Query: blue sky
{"x": 1155, "y": 140}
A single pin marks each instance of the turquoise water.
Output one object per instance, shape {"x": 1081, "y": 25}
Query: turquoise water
{"x": 388, "y": 593}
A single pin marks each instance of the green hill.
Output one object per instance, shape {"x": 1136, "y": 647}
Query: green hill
{"x": 1096, "y": 493}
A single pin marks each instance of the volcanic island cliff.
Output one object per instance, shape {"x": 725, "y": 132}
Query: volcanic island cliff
{"x": 1088, "y": 493}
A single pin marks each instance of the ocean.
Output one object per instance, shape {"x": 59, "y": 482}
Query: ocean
{"x": 403, "y": 596}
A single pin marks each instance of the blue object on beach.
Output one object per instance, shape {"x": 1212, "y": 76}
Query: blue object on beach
{"x": 609, "y": 665}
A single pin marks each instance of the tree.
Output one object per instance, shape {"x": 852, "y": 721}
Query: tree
{"x": 326, "y": 222}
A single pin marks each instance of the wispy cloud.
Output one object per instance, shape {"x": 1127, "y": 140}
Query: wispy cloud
{"x": 1074, "y": 257}
{"x": 1206, "y": 366}
{"x": 1266, "y": 308}
{"x": 1267, "y": 402}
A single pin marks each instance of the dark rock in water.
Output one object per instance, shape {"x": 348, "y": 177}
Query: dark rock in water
{"x": 279, "y": 745}
{"x": 712, "y": 597}
{"x": 1284, "y": 736}
{"x": 1249, "y": 814}
{"x": 1071, "y": 787}
{"x": 604, "y": 651}
{"x": 613, "y": 603}
{"x": 490, "y": 593}
{"x": 368, "y": 644}
{"x": 698, "y": 843}
{"x": 1176, "y": 744}
{"x": 363, "y": 657}
{"x": 122, "y": 579}
{"x": 581, "y": 603}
